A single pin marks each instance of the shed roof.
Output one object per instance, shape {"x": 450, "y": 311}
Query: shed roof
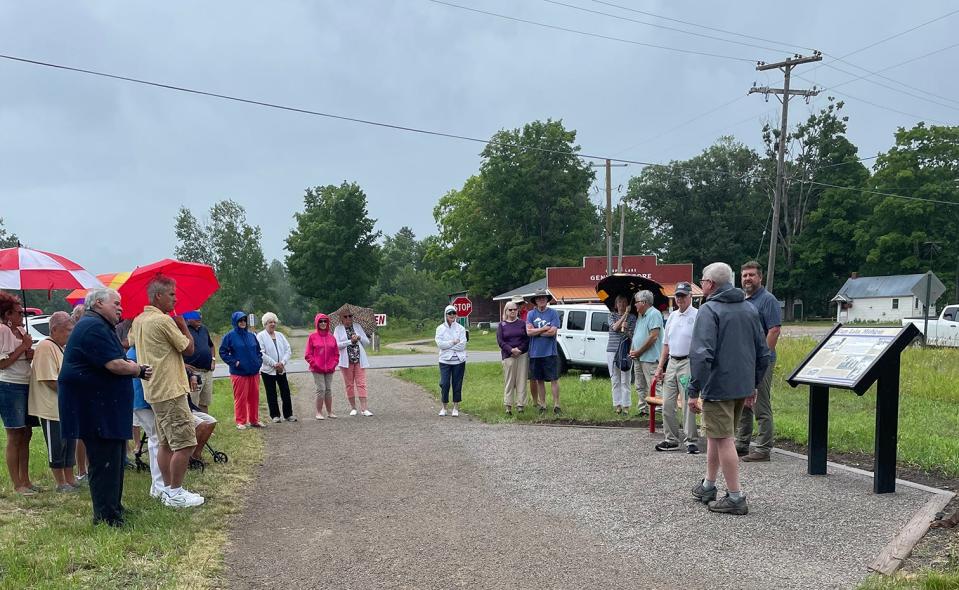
{"x": 524, "y": 291}
{"x": 866, "y": 287}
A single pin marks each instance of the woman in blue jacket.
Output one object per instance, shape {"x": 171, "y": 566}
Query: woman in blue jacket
{"x": 241, "y": 352}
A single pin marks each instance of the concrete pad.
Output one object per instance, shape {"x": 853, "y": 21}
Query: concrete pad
{"x": 406, "y": 499}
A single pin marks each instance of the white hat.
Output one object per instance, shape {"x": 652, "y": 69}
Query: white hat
{"x": 449, "y": 309}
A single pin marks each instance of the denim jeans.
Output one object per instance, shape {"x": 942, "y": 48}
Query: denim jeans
{"x": 452, "y": 375}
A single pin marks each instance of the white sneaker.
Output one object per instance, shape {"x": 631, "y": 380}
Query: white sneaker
{"x": 353, "y": 412}
{"x": 183, "y": 499}
{"x": 320, "y": 417}
{"x": 455, "y": 412}
{"x": 443, "y": 412}
{"x": 367, "y": 413}
{"x": 277, "y": 420}
{"x": 154, "y": 492}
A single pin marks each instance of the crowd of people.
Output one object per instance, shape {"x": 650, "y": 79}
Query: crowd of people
{"x": 96, "y": 380}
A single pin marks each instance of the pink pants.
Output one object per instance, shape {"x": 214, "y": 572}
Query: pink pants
{"x": 354, "y": 377}
{"x": 246, "y": 398}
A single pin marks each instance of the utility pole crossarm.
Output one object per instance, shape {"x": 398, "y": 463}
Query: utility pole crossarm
{"x": 793, "y": 61}
{"x": 783, "y": 91}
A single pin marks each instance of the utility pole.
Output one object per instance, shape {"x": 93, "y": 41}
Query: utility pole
{"x": 609, "y": 213}
{"x": 622, "y": 229}
{"x": 785, "y": 93}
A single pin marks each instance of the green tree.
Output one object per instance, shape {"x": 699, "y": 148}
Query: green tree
{"x": 292, "y": 309}
{"x": 904, "y": 235}
{"x": 527, "y": 209}
{"x": 407, "y": 288}
{"x": 333, "y": 256}
{"x": 232, "y": 246}
{"x": 7, "y": 240}
{"x": 822, "y": 157}
{"x": 705, "y": 209}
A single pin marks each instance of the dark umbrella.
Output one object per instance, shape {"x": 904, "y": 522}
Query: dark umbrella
{"x": 363, "y": 316}
{"x": 623, "y": 284}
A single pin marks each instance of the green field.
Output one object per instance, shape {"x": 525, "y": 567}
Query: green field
{"x": 928, "y": 415}
{"x": 48, "y": 540}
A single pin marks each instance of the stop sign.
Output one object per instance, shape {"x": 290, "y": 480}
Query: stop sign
{"x": 463, "y": 306}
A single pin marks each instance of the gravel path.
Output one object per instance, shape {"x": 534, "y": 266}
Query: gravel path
{"x": 409, "y": 500}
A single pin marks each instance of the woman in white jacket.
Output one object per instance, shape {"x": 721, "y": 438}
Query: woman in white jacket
{"x": 451, "y": 340}
{"x": 276, "y": 353}
{"x": 351, "y": 340}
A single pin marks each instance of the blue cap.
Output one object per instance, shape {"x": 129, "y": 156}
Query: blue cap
{"x": 192, "y": 315}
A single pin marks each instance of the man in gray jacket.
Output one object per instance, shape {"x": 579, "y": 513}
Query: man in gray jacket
{"x": 728, "y": 357}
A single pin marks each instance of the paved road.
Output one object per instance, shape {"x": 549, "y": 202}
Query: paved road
{"x": 385, "y": 361}
{"x": 409, "y": 500}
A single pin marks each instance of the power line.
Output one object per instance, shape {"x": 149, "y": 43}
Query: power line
{"x": 879, "y": 106}
{"x": 899, "y": 34}
{"x": 878, "y": 73}
{"x": 708, "y": 28}
{"x": 588, "y": 34}
{"x": 887, "y": 86}
{"x": 881, "y": 193}
{"x": 391, "y": 125}
{"x": 658, "y": 26}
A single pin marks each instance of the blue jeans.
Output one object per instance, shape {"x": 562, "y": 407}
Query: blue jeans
{"x": 452, "y": 375}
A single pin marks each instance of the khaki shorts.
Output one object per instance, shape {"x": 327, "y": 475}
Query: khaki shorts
{"x": 204, "y": 397}
{"x": 720, "y": 418}
{"x": 175, "y": 423}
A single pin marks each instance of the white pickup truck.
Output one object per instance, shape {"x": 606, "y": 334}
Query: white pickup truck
{"x": 943, "y": 331}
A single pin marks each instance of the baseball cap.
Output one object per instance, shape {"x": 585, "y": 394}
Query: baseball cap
{"x": 192, "y": 315}
{"x": 684, "y": 287}
{"x": 449, "y": 309}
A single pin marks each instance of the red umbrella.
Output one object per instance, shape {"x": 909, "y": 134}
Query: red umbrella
{"x": 194, "y": 284}
{"x": 23, "y": 268}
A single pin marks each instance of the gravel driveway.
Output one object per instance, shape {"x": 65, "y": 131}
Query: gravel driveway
{"x": 406, "y": 499}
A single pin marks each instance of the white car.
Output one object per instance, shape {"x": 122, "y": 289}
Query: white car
{"x": 582, "y": 336}
{"x": 39, "y": 326}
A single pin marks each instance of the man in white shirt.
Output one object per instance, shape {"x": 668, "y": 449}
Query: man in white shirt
{"x": 678, "y": 335}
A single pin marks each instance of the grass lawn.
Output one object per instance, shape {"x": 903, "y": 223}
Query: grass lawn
{"x": 928, "y": 415}
{"x": 48, "y": 540}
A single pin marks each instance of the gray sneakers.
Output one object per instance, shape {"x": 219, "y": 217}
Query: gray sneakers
{"x": 727, "y": 505}
{"x": 703, "y": 495}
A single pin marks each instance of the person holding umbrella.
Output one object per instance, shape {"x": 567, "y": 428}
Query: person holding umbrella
{"x": 351, "y": 339}
{"x": 240, "y": 350}
{"x": 15, "y": 355}
{"x": 621, "y": 326}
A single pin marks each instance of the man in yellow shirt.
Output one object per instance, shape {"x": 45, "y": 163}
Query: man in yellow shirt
{"x": 161, "y": 342}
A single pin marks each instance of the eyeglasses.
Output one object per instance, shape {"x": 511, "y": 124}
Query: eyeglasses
{"x": 322, "y": 322}
{"x": 512, "y": 309}
{"x": 349, "y": 315}
{"x": 451, "y": 313}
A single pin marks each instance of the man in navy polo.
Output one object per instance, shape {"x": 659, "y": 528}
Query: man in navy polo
{"x": 201, "y": 362}
{"x": 751, "y": 275}
{"x": 96, "y": 400}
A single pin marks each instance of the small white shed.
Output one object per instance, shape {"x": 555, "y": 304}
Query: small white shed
{"x": 883, "y": 299}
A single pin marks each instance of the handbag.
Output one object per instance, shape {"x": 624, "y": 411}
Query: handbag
{"x": 623, "y": 360}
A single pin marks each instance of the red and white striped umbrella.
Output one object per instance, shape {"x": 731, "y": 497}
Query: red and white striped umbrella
{"x": 23, "y": 268}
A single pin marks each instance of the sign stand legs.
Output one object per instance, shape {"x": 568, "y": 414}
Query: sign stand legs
{"x": 818, "y": 429}
{"x": 887, "y": 427}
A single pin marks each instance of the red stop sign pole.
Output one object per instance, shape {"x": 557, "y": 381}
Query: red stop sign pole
{"x": 464, "y": 307}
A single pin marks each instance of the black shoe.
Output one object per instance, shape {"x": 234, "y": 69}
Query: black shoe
{"x": 666, "y": 446}
{"x": 643, "y": 413}
{"x": 703, "y": 495}
{"x": 556, "y": 410}
{"x": 742, "y": 451}
{"x": 542, "y": 409}
{"x": 509, "y": 412}
{"x": 692, "y": 449}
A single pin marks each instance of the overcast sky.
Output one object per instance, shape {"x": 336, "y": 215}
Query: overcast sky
{"x": 96, "y": 169}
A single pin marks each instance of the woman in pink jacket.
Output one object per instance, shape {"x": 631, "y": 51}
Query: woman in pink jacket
{"x": 322, "y": 356}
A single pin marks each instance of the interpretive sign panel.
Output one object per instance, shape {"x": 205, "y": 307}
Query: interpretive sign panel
{"x": 843, "y": 359}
